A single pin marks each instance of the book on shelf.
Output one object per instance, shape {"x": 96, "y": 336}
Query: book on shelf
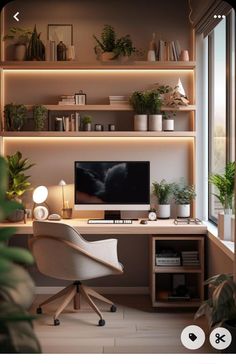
{"x": 168, "y": 50}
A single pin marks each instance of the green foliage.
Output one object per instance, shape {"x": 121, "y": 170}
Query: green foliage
{"x": 16, "y": 286}
{"x": 40, "y": 116}
{"x": 168, "y": 115}
{"x": 109, "y": 43}
{"x": 15, "y": 116}
{"x": 163, "y": 191}
{"x": 154, "y": 102}
{"x": 183, "y": 194}
{"x": 18, "y": 181}
{"x": 36, "y": 48}
{"x": 139, "y": 102}
{"x": 21, "y": 35}
{"x": 87, "y": 119}
{"x": 225, "y": 185}
{"x": 222, "y": 304}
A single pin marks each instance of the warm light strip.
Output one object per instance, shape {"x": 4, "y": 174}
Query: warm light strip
{"x": 96, "y": 71}
{"x": 60, "y": 139}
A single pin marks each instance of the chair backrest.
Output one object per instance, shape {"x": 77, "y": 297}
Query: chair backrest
{"x": 61, "y": 252}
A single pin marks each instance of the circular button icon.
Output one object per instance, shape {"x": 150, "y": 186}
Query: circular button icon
{"x": 220, "y": 338}
{"x": 192, "y": 337}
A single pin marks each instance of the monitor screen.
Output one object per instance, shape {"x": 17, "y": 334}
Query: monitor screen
{"x": 121, "y": 185}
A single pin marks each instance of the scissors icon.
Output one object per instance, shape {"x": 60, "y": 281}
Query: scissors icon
{"x": 219, "y": 338}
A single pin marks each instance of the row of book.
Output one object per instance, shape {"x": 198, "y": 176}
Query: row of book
{"x": 67, "y": 100}
{"x": 118, "y": 100}
{"x": 68, "y": 123}
{"x": 172, "y": 258}
{"x": 190, "y": 258}
{"x": 168, "y": 50}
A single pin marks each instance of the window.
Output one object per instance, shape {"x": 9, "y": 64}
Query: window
{"x": 221, "y": 55}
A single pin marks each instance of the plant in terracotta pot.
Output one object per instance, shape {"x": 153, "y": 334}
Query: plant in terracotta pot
{"x": 224, "y": 183}
{"x": 183, "y": 195}
{"x": 220, "y": 308}
{"x": 15, "y": 116}
{"x": 154, "y": 104}
{"x": 18, "y": 182}
{"x": 21, "y": 36}
{"x": 40, "y": 116}
{"x": 139, "y": 102}
{"x": 163, "y": 192}
{"x": 87, "y": 122}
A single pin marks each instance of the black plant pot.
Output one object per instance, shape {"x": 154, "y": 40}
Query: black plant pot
{"x": 231, "y": 326}
{"x": 16, "y": 216}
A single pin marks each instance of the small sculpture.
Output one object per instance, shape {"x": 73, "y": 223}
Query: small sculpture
{"x": 178, "y": 96}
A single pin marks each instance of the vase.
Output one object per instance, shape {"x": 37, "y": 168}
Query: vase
{"x": 88, "y": 127}
{"x": 61, "y": 51}
{"x": 183, "y": 210}
{"x": 70, "y": 53}
{"x": 168, "y": 124}
{"x": 140, "y": 122}
{"x": 20, "y": 52}
{"x": 107, "y": 56}
{"x": 224, "y": 225}
{"x": 163, "y": 211}
{"x": 16, "y": 216}
{"x": 151, "y": 56}
{"x": 155, "y": 122}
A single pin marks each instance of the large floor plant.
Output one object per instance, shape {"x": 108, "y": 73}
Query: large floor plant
{"x": 16, "y": 286}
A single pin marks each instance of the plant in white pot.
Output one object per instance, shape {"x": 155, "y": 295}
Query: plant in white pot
{"x": 87, "y": 122}
{"x": 225, "y": 186}
{"x": 183, "y": 196}
{"x": 21, "y": 36}
{"x": 168, "y": 121}
{"x": 163, "y": 192}
{"x": 138, "y": 100}
{"x": 220, "y": 308}
{"x": 154, "y": 103}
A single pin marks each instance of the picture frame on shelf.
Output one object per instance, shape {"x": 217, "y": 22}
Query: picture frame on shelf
{"x": 60, "y": 32}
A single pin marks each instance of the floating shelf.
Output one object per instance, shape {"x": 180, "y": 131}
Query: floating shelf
{"x": 112, "y": 65}
{"x": 166, "y": 303}
{"x": 108, "y": 107}
{"x": 180, "y": 269}
{"x": 82, "y": 134}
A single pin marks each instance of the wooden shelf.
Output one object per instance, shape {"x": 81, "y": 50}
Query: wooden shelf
{"x": 82, "y": 134}
{"x": 112, "y": 65}
{"x": 166, "y": 303}
{"x": 180, "y": 269}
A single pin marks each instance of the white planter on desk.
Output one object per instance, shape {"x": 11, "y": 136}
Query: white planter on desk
{"x": 224, "y": 226}
{"x": 140, "y": 122}
{"x": 168, "y": 124}
{"x": 155, "y": 122}
{"x": 163, "y": 211}
{"x": 183, "y": 210}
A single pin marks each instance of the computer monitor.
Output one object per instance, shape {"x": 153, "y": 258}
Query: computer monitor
{"x": 112, "y": 186}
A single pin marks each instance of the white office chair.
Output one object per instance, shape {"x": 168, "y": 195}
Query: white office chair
{"x": 61, "y": 252}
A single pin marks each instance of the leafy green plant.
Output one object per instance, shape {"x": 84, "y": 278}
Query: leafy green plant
{"x": 222, "y": 304}
{"x": 225, "y": 185}
{"x": 20, "y": 35}
{"x": 139, "y": 102}
{"x": 163, "y": 191}
{"x": 168, "y": 115}
{"x": 15, "y": 116}
{"x": 87, "y": 119}
{"x": 154, "y": 102}
{"x": 36, "y": 48}
{"x": 17, "y": 182}
{"x": 16, "y": 286}
{"x": 124, "y": 46}
{"x": 183, "y": 194}
{"x": 40, "y": 116}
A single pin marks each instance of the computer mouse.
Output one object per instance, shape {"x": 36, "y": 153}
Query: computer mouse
{"x": 143, "y": 222}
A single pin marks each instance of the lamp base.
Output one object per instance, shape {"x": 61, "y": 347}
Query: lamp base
{"x": 66, "y": 213}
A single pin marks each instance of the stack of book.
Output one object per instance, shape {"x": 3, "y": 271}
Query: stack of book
{"x": 190, "y": 258}
{"x": 168, "y": 259}
{"x": 168, "y": 50}
{"x": 67, "y": 100}
{"x": 118, "y": 100}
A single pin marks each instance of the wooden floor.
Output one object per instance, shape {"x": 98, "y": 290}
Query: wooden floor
{"x": 135, "y": 328}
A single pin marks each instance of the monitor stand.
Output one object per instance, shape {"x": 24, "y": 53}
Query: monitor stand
{"x": 112, "y": 215}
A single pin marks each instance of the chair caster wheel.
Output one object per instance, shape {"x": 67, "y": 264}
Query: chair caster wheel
{"x": 56, "y": 322}
{"x": 101, "y": 322}
{"x": 113, "y": 308}
{"x": 39, "y": 310}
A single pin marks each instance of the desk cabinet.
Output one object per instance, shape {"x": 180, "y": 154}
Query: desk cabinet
{"x": 165, "y": 279}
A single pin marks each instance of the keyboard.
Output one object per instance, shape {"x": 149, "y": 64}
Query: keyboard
{"x": 100, "y": 221}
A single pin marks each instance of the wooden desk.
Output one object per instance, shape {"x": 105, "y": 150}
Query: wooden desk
{"x": 162, "y": 227}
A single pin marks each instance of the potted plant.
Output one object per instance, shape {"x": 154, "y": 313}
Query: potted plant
{"x": 168, "y": 120}
{"x": 163, "y": 192}
{"x": 220, "y": 308}
{"x": 21, "y": 37}
{"x": 40, "y": 116}
{"x": 87, "y": 122}
{"x": 138, "y": 100}
{"x": 15, "y": 116}
{"x": 109, "y": 47}
{"x": 36, "y": 48}
{"x": 183, "y": 195}
{"x": 154, "y": 103}
{"x": 225, "y": 186}
{"x": 18, "y": 182}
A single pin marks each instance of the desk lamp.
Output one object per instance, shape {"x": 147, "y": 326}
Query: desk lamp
{"x": 66, "y": 211}
{"x": 40, "y": 195}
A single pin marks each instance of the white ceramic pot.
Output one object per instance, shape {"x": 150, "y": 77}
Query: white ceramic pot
{"x": 183, "y": 210}
{"x": 224, "y": 226}
{"x": 155, "y": 122}
{"x": 107, "y": 56}
{"x": 140, "y": 122}
{"x": 20, "y": 52}
{"x": 70, "y": 53}
{"x": 163, "y": 211}
{"x": 151, "y": 56}
{"x": 168, "y": 124}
